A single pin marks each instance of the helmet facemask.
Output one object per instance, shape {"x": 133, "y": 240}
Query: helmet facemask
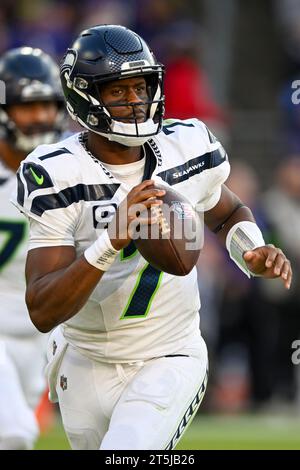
{"x": 130, "y": 130}
{"x": 101, "y": 119}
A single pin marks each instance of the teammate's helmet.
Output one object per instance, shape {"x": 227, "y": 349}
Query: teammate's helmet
{"x": 29, "y": 75}
{"x": 102, "y": 54}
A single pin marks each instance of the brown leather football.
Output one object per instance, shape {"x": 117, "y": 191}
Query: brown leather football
{"x": 173, "y": 244}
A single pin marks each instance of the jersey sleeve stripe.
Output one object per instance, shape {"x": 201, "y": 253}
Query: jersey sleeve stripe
{"x": 177, "y": 123}
{"x": 68, "y": 196}
{"x": 55, "y": 154}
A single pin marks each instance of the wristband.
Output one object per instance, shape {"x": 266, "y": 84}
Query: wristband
{"x": 101, "y": 254}
{"x": 243, "y": 236}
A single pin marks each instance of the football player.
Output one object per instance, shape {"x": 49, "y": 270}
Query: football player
{"x": 31, "y": 114}
{"x": 127, "y": 362}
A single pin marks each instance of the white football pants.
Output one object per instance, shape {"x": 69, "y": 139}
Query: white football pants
{"x": 142, "y": 405}
{"x": 22, "y": 383}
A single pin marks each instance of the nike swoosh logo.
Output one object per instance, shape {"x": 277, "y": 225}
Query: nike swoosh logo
{"x": 38, "y": 179}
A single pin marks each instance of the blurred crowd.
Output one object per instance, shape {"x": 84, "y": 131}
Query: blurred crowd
{"x": 249, "y": 325}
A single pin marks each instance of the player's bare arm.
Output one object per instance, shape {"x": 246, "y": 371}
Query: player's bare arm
{"x": 267, "y": 261}
{"x": 58, "y": 284}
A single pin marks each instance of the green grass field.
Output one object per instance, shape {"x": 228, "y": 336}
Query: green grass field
{"x": 219, "y": 432}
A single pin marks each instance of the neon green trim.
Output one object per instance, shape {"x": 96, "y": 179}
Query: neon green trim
{"x": 38, "y": 179}
{"x": 125, "y": 258}
{"x": 8, "y": 234}
{"x": 140, "y": 315}
{"x": 133, "y": 292}
{"x": 169, "y": 121}
{"x": 152, "y": 296}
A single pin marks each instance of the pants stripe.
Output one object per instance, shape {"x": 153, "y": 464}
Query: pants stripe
{"x": 189, "y": 414}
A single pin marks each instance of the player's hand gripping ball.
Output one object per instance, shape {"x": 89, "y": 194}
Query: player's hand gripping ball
{"x": 173, "y": 244}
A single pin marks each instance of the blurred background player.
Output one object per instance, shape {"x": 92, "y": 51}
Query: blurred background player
{"x": 31, "y": 114}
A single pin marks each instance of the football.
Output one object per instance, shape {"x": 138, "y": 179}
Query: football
{"x": 173, "y": 244}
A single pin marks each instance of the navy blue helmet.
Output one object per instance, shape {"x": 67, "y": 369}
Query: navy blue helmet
{"x": 106, "y": 53}
{"x": 29, "y": 75}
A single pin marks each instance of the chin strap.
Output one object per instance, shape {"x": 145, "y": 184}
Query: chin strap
{"x": 136, "y": 134}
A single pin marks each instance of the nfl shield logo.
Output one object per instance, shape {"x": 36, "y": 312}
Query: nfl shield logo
{"x": 182, "y": 209}
{"x": 63, "y": 382}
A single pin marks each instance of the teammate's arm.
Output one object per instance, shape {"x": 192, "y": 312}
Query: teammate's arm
{"x": 266, "y": 260}
{"x": 58, "y": 284}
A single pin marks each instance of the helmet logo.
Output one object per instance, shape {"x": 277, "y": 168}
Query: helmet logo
{"x": 69, "y": 61}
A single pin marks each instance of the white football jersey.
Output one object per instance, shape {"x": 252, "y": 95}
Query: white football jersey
{"x": 136, "y": 312}
{"x": 14, "y": 317}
